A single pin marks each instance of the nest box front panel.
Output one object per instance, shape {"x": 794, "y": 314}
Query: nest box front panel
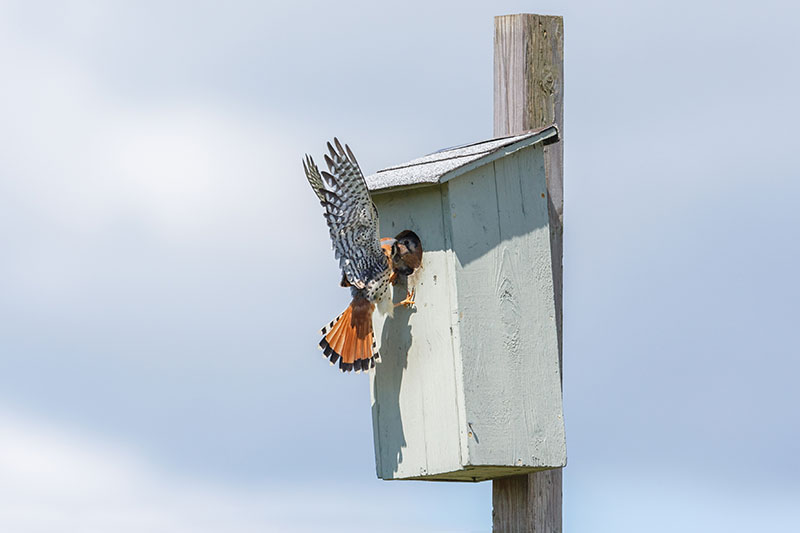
{"x": 414, "y": 391}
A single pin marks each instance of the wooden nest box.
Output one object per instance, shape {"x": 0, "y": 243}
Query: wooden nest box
{"x": 469, "y": 387}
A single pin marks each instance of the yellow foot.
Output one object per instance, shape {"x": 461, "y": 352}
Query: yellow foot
{"x": 409, "y": 301}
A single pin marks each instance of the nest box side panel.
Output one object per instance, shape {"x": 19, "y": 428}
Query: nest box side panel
{"x": 414, "y": 405}
{"x": 509, "y": 350}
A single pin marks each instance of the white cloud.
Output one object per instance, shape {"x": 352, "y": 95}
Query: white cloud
{"x": 52, "y": 479}
{"x": 84, "y": 159}
{"x": 85, "y": 170}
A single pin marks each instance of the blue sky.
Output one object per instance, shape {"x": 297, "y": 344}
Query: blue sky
{"x": 165, "y": 267}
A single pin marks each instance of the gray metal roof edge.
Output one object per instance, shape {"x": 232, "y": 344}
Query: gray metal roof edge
{"x": 544, "y": 135}
{"x": 549, "y": 134}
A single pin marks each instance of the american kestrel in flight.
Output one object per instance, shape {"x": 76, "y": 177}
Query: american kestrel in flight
{"x": 370, "y": 265}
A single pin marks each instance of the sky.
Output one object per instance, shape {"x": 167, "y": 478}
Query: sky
{"x": 165, "y": 268}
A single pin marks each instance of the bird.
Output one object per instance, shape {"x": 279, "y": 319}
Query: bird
{"x": 370, "y": 266}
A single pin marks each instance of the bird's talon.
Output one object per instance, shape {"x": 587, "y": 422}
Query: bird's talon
{"x": 409, "y": 300}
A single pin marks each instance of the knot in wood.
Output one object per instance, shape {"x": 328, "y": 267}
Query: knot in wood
{"x": 548, "y": 82}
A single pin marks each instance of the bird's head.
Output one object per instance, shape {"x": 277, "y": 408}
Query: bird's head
{"x": 406, "y": 252}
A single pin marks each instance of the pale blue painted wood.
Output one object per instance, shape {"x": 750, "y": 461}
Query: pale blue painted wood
{"x": 469, "y": 385}
{"x": 509, "y": 345}
{"x": 415, "y": 417}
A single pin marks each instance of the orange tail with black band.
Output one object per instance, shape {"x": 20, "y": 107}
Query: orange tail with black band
{"x": 349, "y": 338}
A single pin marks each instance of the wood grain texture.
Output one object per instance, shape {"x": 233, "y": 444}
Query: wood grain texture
{"x": 527, "y": 502}
{"x": 509, "y": 496}
{"x": 509, "y": 348}
{"x": 528, "y": 93}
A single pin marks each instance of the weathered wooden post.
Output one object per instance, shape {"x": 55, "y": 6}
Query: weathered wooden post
{"x": 529, "y": 93}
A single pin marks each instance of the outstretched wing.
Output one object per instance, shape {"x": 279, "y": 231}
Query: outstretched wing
{"x": 313, "y": 177}
{"x": 352, "y": 218}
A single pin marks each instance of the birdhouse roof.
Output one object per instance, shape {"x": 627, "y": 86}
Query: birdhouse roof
{"x": 446, "y": 164}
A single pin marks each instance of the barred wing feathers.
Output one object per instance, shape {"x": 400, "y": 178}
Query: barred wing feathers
{"x": 314, "y": 178}
{"x": 353, "y": 221}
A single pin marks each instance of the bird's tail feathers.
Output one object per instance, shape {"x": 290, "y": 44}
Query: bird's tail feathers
{"x": 350, "y": 340}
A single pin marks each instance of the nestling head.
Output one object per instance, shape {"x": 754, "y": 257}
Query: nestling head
{"x": 406, "y": 253}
